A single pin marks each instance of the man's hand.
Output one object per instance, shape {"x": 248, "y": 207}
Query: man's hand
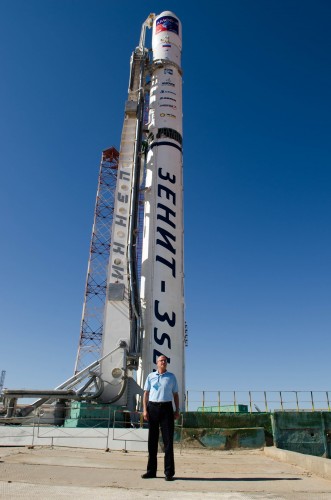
{"x": 176, "y": 415}
{"x": 145, "y": 405}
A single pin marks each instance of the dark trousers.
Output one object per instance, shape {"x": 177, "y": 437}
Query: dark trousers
{"x": 161, "y": 415}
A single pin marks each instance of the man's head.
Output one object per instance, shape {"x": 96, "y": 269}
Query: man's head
{"x": 161, "y": 364}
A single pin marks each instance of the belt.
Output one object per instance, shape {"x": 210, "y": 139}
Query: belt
{"x": 159, "y": 403}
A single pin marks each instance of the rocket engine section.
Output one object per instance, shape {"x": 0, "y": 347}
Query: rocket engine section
{"x": 162, "y": 280}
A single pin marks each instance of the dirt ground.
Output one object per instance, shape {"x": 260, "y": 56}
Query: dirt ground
{"x": 43, "y": 473}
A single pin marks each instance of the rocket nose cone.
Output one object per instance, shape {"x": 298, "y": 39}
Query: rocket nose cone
{"x": 167, "y": 13}
{"x": 168, "y": 22}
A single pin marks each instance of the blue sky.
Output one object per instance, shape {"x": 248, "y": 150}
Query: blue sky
{"x": 257, "y": 107}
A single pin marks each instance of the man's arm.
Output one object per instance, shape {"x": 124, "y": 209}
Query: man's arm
{"x": 176, "y": 400}
{"x": 145, "y": 403}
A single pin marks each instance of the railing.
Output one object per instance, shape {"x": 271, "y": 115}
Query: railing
{"x": 257, "y": 401}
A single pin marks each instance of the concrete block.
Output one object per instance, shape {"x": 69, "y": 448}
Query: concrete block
{"x": 317, "y": 465}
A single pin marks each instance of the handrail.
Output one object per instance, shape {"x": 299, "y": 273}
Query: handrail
{"x": 257, "y": 401}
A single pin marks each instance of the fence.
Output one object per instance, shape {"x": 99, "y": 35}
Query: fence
{"x": 257, "y": 401}
{"x": 91, "y": 427}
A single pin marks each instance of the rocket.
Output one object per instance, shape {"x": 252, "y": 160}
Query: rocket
{"x": 140, "y": 326}
{"x": 162, "y": 277}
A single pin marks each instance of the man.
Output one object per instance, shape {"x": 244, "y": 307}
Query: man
{"x": 160, "y": 388}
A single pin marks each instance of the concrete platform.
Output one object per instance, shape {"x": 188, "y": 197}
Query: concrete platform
{"x": 60, "y": 473}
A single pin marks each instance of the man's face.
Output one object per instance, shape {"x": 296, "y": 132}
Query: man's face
{"x": 162, "y": 363}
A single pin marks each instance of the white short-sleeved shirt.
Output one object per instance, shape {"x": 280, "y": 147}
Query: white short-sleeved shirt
{"x": 161, "y": 386}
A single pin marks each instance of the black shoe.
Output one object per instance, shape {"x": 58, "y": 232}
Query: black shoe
{"x": 148, "y": 475}
{"x": 169, "y": 478}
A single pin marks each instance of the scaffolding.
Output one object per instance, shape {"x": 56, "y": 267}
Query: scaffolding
{"x": 90, "y": 341}
{"x": 2, "y": 380}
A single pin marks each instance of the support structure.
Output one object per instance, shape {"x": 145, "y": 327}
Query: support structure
{"x": 122, "y": 318}
{"x": 90, "y": 340}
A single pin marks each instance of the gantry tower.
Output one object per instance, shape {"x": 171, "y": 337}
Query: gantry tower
{"x": 90, "y": 340}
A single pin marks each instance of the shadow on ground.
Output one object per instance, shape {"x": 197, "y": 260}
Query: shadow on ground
{"x": 249, "y": 479}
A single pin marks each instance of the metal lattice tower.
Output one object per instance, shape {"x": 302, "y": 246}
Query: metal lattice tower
{"x": 96, "y": 281}
{"x": 2, "y": 380}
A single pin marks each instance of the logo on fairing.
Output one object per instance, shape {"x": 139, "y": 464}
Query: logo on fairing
{"x": 167, "y": 23}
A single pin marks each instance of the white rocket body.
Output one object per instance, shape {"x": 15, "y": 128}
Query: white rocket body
{"x": 162, "y": 280}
